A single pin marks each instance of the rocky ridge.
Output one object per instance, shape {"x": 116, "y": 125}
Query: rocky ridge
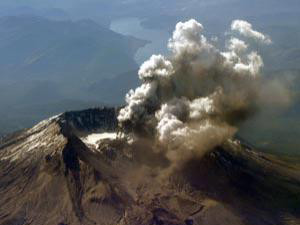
{"x": 50, "y": 174}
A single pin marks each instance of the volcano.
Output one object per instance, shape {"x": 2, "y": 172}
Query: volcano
{"x": 77, "y": 168}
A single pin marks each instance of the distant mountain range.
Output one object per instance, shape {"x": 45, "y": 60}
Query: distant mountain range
{"x": 50, "y": 13}
{"x": 45, "y": 62}
{"x": 34, "y": 47}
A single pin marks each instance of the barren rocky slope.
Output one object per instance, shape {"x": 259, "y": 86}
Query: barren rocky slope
{"x": 75, "y": 169}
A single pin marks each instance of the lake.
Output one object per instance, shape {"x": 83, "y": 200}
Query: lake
{"x": 158, "y": 39}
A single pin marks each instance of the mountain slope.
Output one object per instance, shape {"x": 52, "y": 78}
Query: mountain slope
{"x": 45, "y": 62}
{"x": 71, "y": 169}
{"x": 34, "y": 47}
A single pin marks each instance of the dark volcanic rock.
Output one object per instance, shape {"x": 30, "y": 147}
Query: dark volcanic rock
{"x": 92, "y": 119}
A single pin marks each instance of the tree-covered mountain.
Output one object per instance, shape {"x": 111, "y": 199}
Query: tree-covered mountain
{"x": 34, "y": 47}
{"x": 45, "y": 62}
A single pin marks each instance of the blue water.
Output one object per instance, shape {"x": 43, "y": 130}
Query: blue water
{"x": 132, "y": 26}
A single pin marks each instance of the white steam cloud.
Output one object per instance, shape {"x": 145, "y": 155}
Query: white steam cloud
{"x": 245, "y": 29}
{"x": 195, "y": 99}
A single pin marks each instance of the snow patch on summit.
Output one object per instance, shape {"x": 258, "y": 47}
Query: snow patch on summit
{"x": 45, "y": 135}
{"x": 95, "y": 138}
{"x": 43, "y": 124}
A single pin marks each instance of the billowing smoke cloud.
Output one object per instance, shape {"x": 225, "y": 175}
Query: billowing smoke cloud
{"x": 195, "y": 99}
{"x": 245, "y": 29}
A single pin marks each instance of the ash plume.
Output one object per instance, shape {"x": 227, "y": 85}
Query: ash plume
{"x": 245, "y": 29}
{"x": 195, "y": 99}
